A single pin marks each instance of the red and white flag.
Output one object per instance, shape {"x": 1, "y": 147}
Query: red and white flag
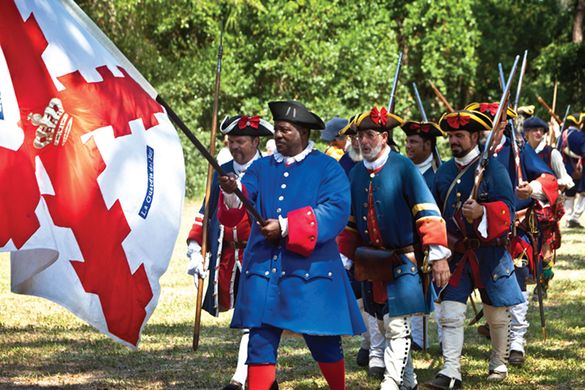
{"x": 91, "y": 169}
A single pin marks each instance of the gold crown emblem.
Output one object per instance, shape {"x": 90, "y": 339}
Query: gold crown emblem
{"x": 52, "y": 127}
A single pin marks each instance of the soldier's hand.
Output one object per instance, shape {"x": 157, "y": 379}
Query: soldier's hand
{"x": 228, "y": 183}
{"x": 195, "y": 266}
{"x": 472, "y": 210}
{"x": 271, "y": 230}
{"x": 441, "y": 272}
{"x": 523, "y": 191}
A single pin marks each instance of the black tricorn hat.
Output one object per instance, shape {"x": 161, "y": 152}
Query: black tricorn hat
{"x": 472, "y": 121}
{"x": 380, "y": 120}
{"x": 490, "y": 109}
{"x": 424, "y": 129}
{"x": 246, "y": 125}
{"x": 295, "y": 112}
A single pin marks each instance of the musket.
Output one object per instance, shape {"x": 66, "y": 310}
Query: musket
{"x": 441, "y": 98}
{"x": 205, "y": 224}
{"x": 549, "y": 109}
{"x": 551, "y": 134}
{"x": 391, "y": 101}
{"x": 514, "y": 136}
{"x": 213, "y": 164}
{"x": 421, "y": 107}
{"x": 483, "y": 161}
{"x": 520, "y": 79}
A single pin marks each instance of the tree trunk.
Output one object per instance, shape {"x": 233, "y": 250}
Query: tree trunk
{"x": 578, "y": 22}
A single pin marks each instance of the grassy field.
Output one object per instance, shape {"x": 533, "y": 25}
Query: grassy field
{"x": 43, "y": 345}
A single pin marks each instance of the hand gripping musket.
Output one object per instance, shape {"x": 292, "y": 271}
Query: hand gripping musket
{"x": 213, "y": 164}
{"x": 421, "y": 107}
{"x": 441, "y": 98}
{"x": 487, "y": 151}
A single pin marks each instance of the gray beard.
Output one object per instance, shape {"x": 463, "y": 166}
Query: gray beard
{"x": 373, "y": 153}
{"x": 355, "y": 155}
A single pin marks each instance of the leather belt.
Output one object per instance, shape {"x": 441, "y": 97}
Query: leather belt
{"x": 473, "y": 243}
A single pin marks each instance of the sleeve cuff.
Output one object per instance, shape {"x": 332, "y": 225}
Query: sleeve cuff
{"x": 482, "y": 228}
{"x": 438, "y": 252}
{"x": 283, "y": 226}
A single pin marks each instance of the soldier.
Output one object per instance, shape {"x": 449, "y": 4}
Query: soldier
{"x": 226, "y": 244}
{"x": 535, "y": 130}
{"x": 336, "y": 142}
{"x": 393, "y": 212}
{"x": 571, "y": 146}
{"x": 421, "y": 140}
{"x": 371, "y": 352}
{"x": 478, "y": 231}
{"x": 537, "y": 189}
{"x": 292, "y": 276}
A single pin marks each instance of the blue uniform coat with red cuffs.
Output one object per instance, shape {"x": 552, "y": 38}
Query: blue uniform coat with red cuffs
{"x": 297, "y": 283}
{"x": 489, "y": 268}
{"x": 533, "y": 168}
{"x": 402, "y": 211}
{"x": 575, "y": 141}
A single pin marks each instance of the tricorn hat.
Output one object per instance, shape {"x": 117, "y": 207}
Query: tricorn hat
{"x": 526, "y": 110}
{"x": 535, "y": 122}
{"x": 490, "y": 109}
{"x": 295, "y": 112}
{"x": 426, "y": 130}
{"x": 575, "y": 118}
{"x": 246, "y": 125}
{"x": 377, "y": 119}
{"x": 471, "y": 121}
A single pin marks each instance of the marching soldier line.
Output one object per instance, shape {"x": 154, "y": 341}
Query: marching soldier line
{"x": 374, "y": 243}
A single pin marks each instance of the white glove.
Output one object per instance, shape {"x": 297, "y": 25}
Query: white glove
{"x": 347, "y": 263}
{"x": 195, "y": 267}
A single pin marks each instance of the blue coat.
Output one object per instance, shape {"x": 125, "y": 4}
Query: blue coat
{"x": 576, "y": 144}
{"x": 306, "y": 293}
{"x": 401, "y": 198}
{"x": 532, "y": 167}
{"x": 496, "y": 267}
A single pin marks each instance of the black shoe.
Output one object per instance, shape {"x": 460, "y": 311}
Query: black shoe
{"x": 363, "y": 357}
{"x": 233, "y": 385}
{"x": 376, "y": 372}
{"x": 572, "y": 224}
{"x": 274, "y": 386}
{"x": 516, "y": 358}
{"x": 484, "y": 330}
{"x": 444, "y": 383}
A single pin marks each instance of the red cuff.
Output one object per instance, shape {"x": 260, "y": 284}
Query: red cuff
{"x": 550, "y": 187}
{"x": 498, "y": 220}
{"x": 196, "y": 232}
{"x": 432, "y": 231}
{"x": 347, "y": 241}
{"x": 230, "y": 217}
{"x": 302, "y": 231}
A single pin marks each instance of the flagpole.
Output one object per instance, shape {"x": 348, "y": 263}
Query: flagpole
{"x": 200, "y": 285}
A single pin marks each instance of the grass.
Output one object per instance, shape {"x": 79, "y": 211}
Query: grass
{"x": 43, "y": 345}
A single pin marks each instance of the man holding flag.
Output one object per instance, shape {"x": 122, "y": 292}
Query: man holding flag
{"x": 227, "y": 244}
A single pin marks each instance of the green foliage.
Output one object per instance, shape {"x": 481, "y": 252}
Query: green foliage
{"x": 338, "y": 57}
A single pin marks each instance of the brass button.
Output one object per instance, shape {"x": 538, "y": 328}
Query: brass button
{"x": 412, "y": 269}
{"x": 283, "y": 273}
{"x": 266, "y": 273}
{"x": 275, "y": 257}
{"x": 309, "y": 212}
{"x": 366, "y": 204}
{"x": 365, "y": 218}
{"x": 283, "y": 186}
{"x": 398, "y": 271}
{"x": 278, "y": 210}
{"x": 286, "y": 174}
{"x": 306, "y": 275}
{"x": 273, "y": 270}
{"x": 281, "y": 197}
{"x": 312, "y": 238}
{"x": 330, "y": 274}
{"x": 312, "y": 223}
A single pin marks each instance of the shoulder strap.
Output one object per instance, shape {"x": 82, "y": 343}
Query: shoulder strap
{"x": 461, "y": 173}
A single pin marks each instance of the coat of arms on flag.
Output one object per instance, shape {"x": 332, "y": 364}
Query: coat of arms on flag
{"x": 91, "y": 169}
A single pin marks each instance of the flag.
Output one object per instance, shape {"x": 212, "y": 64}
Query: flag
{"x": 91, "y": 169}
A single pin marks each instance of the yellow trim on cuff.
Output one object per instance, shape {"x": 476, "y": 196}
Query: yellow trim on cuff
{"x": 425, "y": 206}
